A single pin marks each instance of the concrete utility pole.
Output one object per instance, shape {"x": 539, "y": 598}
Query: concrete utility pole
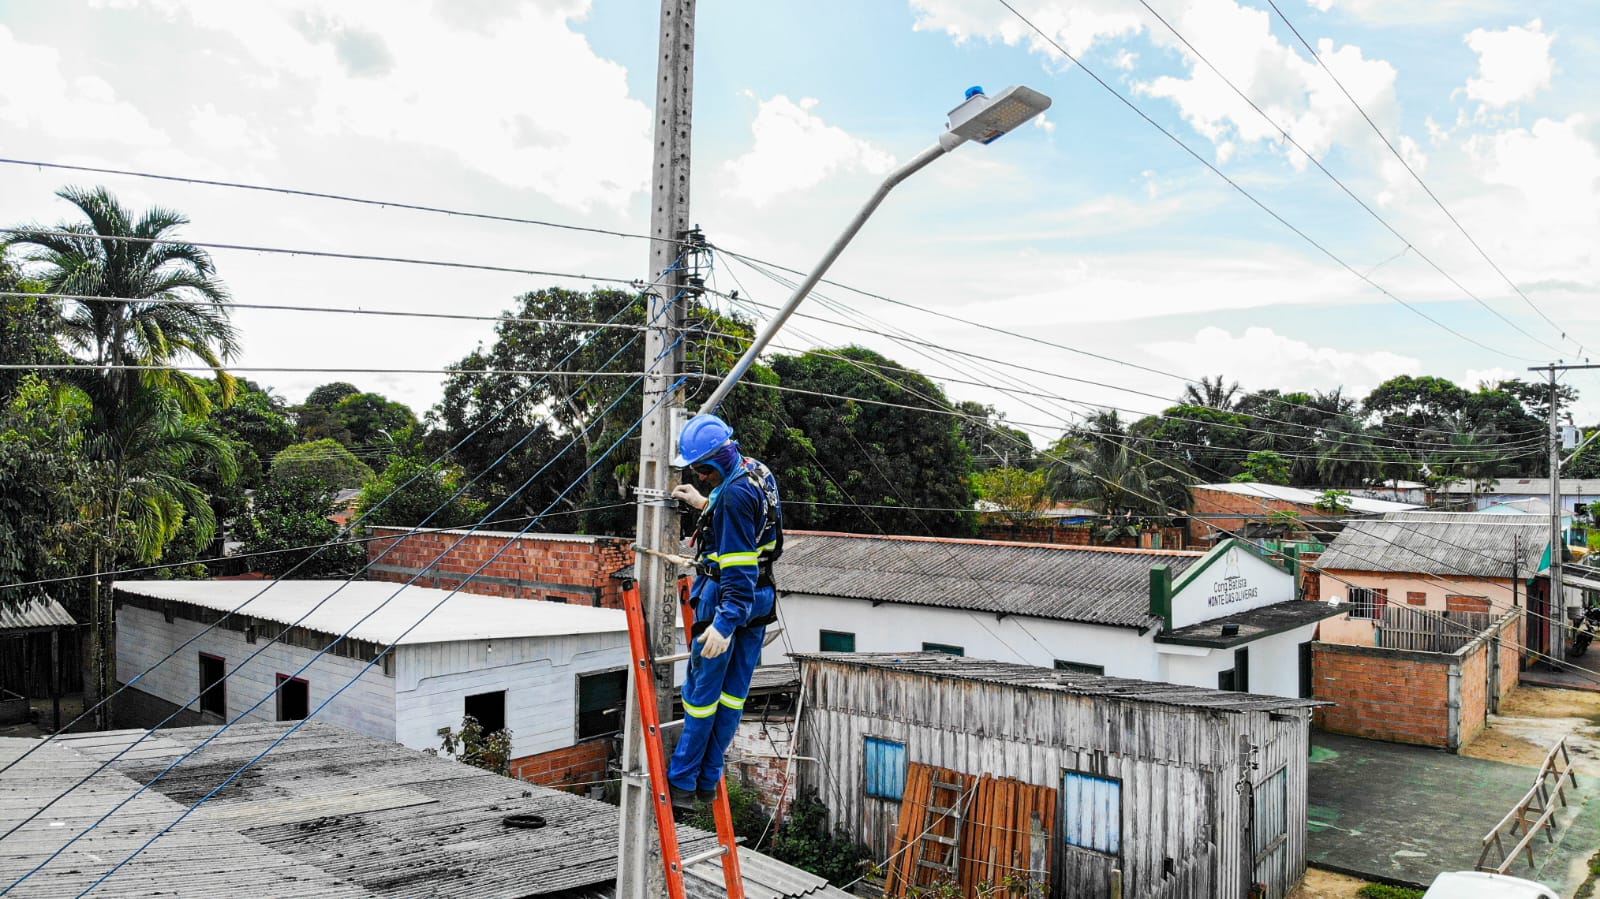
{"x": 1559, "y": 615}
{"x": 658, "y": 520}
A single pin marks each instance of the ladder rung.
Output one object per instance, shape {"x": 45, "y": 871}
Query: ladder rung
{"x": 717, "y": 852}
{"x": 948, "y": 841}
{"x": 947, "y": 812}
{"x": 941, "y": 785}
{"x": 948, "y": 869}
{"x": 675, "y": 657}
{"x": 676, "y": 722}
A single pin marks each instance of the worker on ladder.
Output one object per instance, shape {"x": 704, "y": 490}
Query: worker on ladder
{"x": 739, "y": 535}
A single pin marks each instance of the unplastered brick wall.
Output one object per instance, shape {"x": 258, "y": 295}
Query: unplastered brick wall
{"x": 758, "y": 755}
{"x": 1382, "y": 694}
{"x": 1217, "y": 514}
{"x": 1426, "y": 698}
{"x": 576, "y": 768}
{"x": 566, "y": 568}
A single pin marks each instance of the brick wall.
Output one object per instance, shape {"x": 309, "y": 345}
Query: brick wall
{"x": 757, "y": 758}
{"x": 573, "y": 569}
{"x": 1310, "y": 578}
{"x": 576, "y": 767}
{"x": 1217, "y": 514}
{"x": 1382, "y": 694}
{"x": 1405, "y": 697}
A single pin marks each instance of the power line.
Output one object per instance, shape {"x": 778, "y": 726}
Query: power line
{"x": 343, "y": 198}
{"x": 1413, "y": 172}
{"x": 1248, "y": 195}
{"x": 230, "y": 304}
{"x": 1409, "y": 245}
{"x": 765, "y": 269}
{"x": 1382, "y": 441}
{"x": 297, "y": 725}
{"x": 322, "y": 254}
{"x": 90, "y": 366}
{"x": 461, "y": 491}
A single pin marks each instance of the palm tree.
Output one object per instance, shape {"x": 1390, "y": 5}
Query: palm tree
{"x": 148, "y": 300}
{"x": 1214, "y": 393}
{"x": 1117, "y": 479}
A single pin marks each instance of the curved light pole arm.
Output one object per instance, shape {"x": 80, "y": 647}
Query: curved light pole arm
{"x": 947, "y": 142}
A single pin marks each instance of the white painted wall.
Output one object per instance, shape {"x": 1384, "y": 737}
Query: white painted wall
{"x": 539, "y": 675}
{"x": 1274, "y": 663}
{"x": 893, "y": 627}
{"x": 144, "y": 637}
{"x": 1237, "y": 581}
{"x": 1274, "y": 660}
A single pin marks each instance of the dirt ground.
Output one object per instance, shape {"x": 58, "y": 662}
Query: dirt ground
{"x": 1532, "y": 719}
{"x": 1320, "y": 884}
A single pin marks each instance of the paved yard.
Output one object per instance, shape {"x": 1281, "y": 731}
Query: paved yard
{"x": 1403, "y": 813}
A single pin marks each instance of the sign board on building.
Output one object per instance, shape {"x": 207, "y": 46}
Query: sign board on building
{"x": 1233, "y": 581}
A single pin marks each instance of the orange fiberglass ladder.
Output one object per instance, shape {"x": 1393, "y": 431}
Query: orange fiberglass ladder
{"x": 644, "y": 681}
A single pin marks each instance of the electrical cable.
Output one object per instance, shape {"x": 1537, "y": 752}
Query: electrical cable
{"x": 379, "y": 656}
{"x": 343, "y": 198}
{"x": 338, "y": 310}
{"x": 1252, "y": 197}
{"x": 1409, "y": 244}
{"x": 1407, "y": 165}
{"x": 320, "y": 254}
{"x": 398, "y": 490}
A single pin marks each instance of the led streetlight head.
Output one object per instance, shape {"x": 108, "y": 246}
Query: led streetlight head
{"x": 984, "y": 119}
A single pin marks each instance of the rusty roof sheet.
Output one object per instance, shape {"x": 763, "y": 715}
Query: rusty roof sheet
{"x": 944, "y": 665}
{"x": 1068, "y": 583}
{"x": 1467, "y": 544}
{"x": 34, "y": 614}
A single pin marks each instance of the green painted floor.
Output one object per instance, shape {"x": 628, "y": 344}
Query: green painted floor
{"x": 1402, "y": 814}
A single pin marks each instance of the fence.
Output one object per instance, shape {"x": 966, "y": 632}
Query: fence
{"x": 1403, "y": 627}
{"x": 1536, "y": 803}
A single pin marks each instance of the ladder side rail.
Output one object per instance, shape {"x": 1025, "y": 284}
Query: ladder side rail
{"x": 643, "y": 676}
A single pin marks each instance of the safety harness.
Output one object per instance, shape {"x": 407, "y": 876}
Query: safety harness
{"x": 767, "y": 551}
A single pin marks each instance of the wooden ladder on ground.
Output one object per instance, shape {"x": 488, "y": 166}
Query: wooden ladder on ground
{"x": 941, "y": 851}
{"x": 1532, "y": 815}
{"x": 727, "y": 848}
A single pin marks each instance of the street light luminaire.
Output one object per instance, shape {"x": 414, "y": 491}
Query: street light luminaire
{"x": 984, "y": 120}
{"x": 979, "y": 118}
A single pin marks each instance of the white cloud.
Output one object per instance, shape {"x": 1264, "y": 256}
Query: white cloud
{"x": 528, "y": 103}
{"x": 1547, "y": 221}
{"x": 1487, "y": 376}
{"x": 1388, "y": 12}
{"x": 1238, "y": 39}
{"x": 45, "y": 100}
{"x": 795, "y": 150}
{"x": 1513, "y": 65}
{"x": 1260, "y": 357}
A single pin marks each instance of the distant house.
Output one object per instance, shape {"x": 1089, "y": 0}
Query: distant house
{"x": 1270, "y": 510}
{"x": 325, "y": 813}
{"x": 579, "y": 569}
{"x": 1225, "y": 618}
{"x": 1439, "y": 607}
{"x": 1058, "y": 777}
{"x": 1574, "y": 492}
{"x": 554, "y": 674}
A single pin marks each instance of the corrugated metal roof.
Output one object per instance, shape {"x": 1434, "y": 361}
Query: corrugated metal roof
{"x": 1453, "y": 543}
{"x": 938, "y": 664}
{"x": 1069, "y": 583}
{"x": 1529, "y": 487}
{"x": 39, "y": 612}
{"x": 1304, "y": 497}
{"x": 327, "y": 813}
{"x": 464, "y": 616}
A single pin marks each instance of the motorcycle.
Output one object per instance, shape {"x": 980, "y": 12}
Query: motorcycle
{"x": 1583, "y": 633}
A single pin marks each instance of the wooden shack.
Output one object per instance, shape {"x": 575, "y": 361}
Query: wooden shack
{"x": 1166, "y": 790}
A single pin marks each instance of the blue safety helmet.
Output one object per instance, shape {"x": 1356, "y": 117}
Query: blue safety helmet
{"x": 702, "y": 436}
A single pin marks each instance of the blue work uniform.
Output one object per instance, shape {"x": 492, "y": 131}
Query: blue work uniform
{"x": 733, "y": 593}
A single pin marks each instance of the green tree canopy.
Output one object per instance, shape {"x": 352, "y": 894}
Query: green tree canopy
{"x": 326, "y": 461}
{"x": 869, "y": 449}
{"x": 290, "y": 520}
{"x": 1264, "y": 467}
{"x": 329, "y": 394}
{"x": 411, "y": 492}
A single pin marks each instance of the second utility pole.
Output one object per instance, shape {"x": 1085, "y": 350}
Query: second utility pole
{"x": 657, "y": 519}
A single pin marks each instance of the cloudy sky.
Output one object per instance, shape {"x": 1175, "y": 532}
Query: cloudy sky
{"x": 1091, "y": 229}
